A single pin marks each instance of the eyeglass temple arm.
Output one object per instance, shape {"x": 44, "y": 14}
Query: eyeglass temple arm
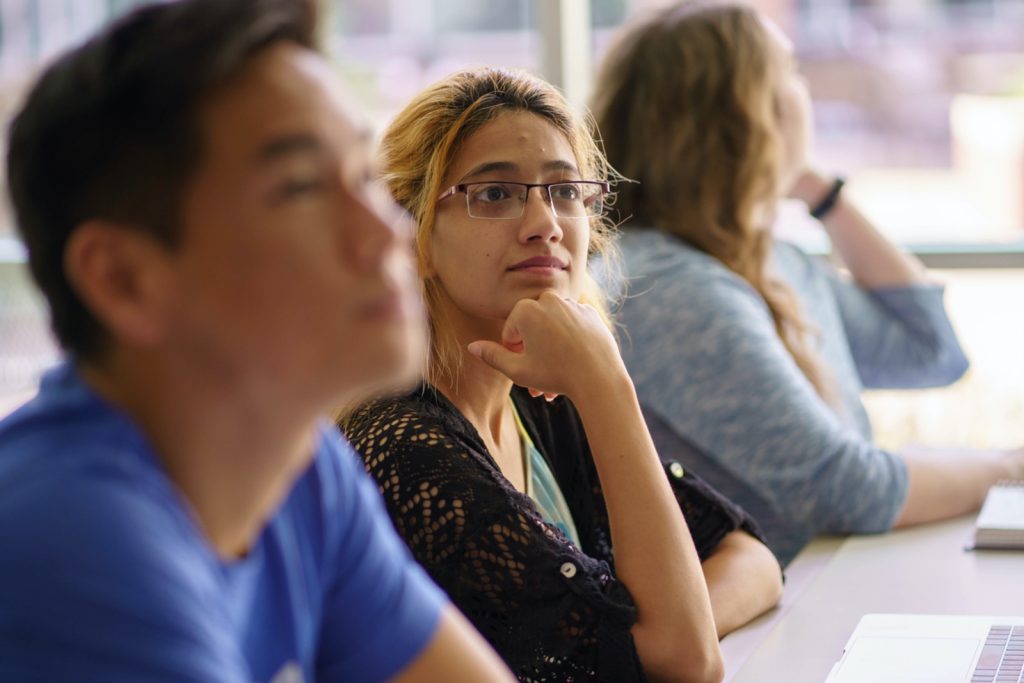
{"x": 450, "y": 191}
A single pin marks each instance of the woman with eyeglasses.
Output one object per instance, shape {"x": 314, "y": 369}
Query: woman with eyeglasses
{"x": 744, "y": 346}
{"x": 521, "y": 473}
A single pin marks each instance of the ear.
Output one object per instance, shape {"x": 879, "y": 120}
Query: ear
{"x": 122, "y": 277}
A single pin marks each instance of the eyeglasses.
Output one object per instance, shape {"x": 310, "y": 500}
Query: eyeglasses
{"x": 507, "y": 201}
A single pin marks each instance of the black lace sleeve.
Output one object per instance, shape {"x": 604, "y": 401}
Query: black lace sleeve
{"x": 553, "y": 612}
{"x": 709, "y": 514}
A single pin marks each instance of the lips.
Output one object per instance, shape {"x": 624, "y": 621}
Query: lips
{"x": 540, "y": 262}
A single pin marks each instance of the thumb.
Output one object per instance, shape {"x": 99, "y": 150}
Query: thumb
{"x": 496, "y": 355}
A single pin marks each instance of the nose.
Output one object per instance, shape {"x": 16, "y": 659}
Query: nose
{"x": 539, "y": 220}
{"x": 377, "y": 228}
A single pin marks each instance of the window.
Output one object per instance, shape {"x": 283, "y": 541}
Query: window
{"x": 389, "y": 50}
{"x": 920, "y": 104}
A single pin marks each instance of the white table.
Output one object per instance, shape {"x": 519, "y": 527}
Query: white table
{"x": 924, "y": 570}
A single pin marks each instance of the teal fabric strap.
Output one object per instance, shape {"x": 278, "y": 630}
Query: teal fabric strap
{"x": 542, "y": 487}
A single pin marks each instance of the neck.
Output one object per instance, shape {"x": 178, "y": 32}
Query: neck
{"x": 232, "y": 452}
{"x": 479, "y": 391}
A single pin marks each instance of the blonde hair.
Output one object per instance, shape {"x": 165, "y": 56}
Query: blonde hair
{"x": 417, "y": 151}
{"x": 686, "y": 98}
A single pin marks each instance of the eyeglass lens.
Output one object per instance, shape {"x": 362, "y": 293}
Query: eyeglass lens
{"x": 508, "y": 200}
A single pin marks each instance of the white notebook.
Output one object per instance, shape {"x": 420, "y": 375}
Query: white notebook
{"x": 1000, "y": 523}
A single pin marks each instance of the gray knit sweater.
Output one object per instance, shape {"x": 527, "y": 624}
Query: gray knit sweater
{"x": 721, "y": 392}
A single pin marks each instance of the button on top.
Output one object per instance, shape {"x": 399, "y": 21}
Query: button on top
{"x": 568, "y": 570}
{"x": 676, "y": 470}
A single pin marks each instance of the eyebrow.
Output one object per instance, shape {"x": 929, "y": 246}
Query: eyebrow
{"x": 300, "y": 143}
{"x": 490, "y": 166}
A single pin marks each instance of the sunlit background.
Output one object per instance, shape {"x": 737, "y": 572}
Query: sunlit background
{"x": 919, "y": 103}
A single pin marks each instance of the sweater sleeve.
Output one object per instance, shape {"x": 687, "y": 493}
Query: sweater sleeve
{"x": 704, "y": 353}
{"x": 551, "y": 611}
{"x": 899, "y": 337}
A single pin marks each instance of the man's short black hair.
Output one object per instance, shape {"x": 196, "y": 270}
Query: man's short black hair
{"x": 111, "y": 131}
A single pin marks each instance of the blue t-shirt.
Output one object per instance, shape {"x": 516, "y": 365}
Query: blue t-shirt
{"x": 106, "y": 576}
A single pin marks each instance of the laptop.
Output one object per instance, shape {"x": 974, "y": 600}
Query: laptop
{"x": 904, "y": 648}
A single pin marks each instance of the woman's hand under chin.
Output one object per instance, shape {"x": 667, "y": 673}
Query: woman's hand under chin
{"x": 555, "y": 346}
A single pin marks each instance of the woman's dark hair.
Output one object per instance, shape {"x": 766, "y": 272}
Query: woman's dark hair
{"x": 110, "y": 131}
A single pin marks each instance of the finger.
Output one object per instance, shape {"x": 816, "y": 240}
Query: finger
{"x": 511, "y": 336}
{"x": 497, "y": 356}
{"x": 550, "y": 397}
{"x": 535, "y": 393}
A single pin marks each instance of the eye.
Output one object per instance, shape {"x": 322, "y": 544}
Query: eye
{"x": 299, "y": 186}
{"x": 568, "y": 192}
{"x": 489, "y": 193}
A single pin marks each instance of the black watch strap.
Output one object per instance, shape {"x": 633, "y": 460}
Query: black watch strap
{"x": 828, "y": 202}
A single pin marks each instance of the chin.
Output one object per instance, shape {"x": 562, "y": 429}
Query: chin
{"x": 560, "y": 290}
{"x": 395, "y": 364}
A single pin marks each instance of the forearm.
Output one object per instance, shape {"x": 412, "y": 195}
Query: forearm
{"x": 559, "y": 346}
{"x": 744, "y": 581}
{"x": 654, "y": 553}
{"x": 873, "y": 261}
{"x": 948, "y": 483}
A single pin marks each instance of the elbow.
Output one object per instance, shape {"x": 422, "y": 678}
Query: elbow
{"x": 770, "y": 572}
{"x": 773, "y": 591}
{"x": 867, "y": 521}
{"x": 710, "y": 670}
{"x": 749, "y": 586}
{"x": 712, "y": 673}
{"x": 662, "y": 662}
{"x": 958, "y": 366}
{"x": 948, "y": 364}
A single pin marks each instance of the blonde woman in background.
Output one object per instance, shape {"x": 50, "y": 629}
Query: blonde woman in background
{"x": 743, "y": 346}
{"x": 513, "y": 503}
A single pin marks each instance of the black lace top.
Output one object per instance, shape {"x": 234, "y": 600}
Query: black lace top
{"x": 555, "y": 612}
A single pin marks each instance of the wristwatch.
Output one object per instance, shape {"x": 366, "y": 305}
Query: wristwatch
{"x": 828, "y": 202}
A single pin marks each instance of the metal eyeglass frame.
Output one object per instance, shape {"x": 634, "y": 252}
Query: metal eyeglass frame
{"x": 604, "y": 186}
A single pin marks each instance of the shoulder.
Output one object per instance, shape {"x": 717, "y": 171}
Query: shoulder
{"x": 98, "y": 552}
{"x": 94, "y": 512}
{"x": 418, "y": 447}
{"x": 81, "y": 478}
{"x": 647, "y": 251}
{"x": 800, "y": 269}
{"x": 405, "y": 440}
{"x": 662, "y": 271}
{"x": 106, "y": 564}
{"x": 87, "y": 490}
{"x": 421, "y": 419}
